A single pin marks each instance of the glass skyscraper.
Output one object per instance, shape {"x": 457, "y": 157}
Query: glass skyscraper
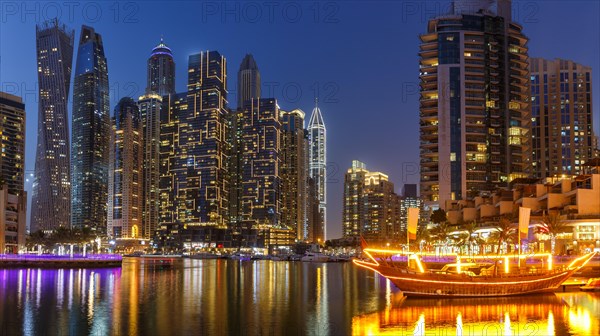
{"x": 475, "y": 124}
{"x": 248, "y": 81}
{"x": 317, "y": 162}
{"x": 51, "y": 203}
{"x": 161, "y": 71}
{"x": 91, "y": 133}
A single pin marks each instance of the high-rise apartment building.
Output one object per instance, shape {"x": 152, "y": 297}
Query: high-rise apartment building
{"x": 475, "y": 118}
{"x": 317, "y": 161}
{"x": 248, "y": 81}
{"x": 261, "y": 180}
{"x": 125, "y": 174}
{"x": 161, "y": 71}
{"x": 294, "y": 173}
{"x": 194, "y": 156}
{"x": 562, "y": 117}
{"x": 12, "y": 143}
{"x": 150, "y": 105}
{"x": 13, "y": 199}
{"x": 91, "y": 134}
{"x": 371, "y": 207}
{"x": 51, "y": 203}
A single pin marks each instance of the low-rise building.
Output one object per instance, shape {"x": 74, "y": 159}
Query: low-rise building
{"x": 13, "y": 209}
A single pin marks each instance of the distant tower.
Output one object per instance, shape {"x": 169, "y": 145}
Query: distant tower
{"x": 125, "y": 173}
{"x": 161, "y": 70}
{"x": 91, "y": 132}
{"x": 248, "y": 81}
{"x": 318, "y": 161}
{"x": 51, "y": 203}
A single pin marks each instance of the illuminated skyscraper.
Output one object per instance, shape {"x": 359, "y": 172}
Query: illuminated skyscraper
{"x": 261, "y": 181}
{"x": 194, "y": 157}
{"x": 13, "y": 199}
{"x": 51, "y": 203}
{"x": 371, "y": 207}
{"x": 294, "y": 173}
{"x": 317, "y": 161}
{"x": 125, "y": 173}
{"x": 475, "y": 119}
{"x": 248, "y": 81}
{"x": 150, "y": 105}
{"x": 172, "y": 169}
{"x": 12, "y": 143}
{"x": 161, "y": 71}
{"x": 562, "y": 118}
{"x": 91, "y": 134}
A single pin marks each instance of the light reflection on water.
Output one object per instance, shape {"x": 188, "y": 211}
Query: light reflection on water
{"x": 215, "y": 297}
{"x": 571, "y": 313}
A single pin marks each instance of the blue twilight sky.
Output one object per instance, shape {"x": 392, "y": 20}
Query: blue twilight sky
{"x": 359, "y": 57}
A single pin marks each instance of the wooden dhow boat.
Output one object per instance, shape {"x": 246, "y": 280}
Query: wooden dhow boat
{"x": 470, "y": 276}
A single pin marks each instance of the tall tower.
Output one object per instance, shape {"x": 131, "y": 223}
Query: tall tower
{"x": 317, "y": 162}
{"x": 150, "y": 105}
{"x": 562, "y": 118}
{"x": 261, "y": 181}
{"x": 193, "y": 155}
{"x": 475, "y": 125}
{"x": 248, "y": 81}
{"x": 51, "y": 203}
{"x": 91, "y": 134}
{"x": 125, "y": 173}
{"x": 294, "y": 173}
{"x": 161, "y": 71}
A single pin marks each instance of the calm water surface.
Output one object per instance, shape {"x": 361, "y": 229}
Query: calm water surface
{"x": 214, "y": 297}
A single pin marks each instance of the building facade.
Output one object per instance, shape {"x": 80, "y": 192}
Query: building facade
{"x": 161, "y": 71}
{"x": 294, "y": 173}
{"x": 91, "y": 134}
{"x": 51, "y": 200}
{"x": 475, "y": 124}
{"x": 562, "y": 118}
{"x": 194, "y": 156}
{"x": 12, "y": 143}
{"x": 150, "y": 105}
{"x": 13, "y": 222}
{"x": 125, "y": 174}
{"x": 261, "y": 150}
{"x": 13, "y": 199}
{"x": 317, "y": 161}
{"x": 248, "y": 81}
{"x": 371, "y": 207}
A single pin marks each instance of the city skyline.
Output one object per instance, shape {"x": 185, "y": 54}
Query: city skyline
{"x": 345, "y": 127}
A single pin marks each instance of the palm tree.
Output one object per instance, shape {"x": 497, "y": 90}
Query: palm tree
{"x": 36, "y": 238}
{"x": 553, "y": 225}
{"x": 467, "y": 238}
{"x": 441, "y": 232}
{"x": 423, "y": 235}
{"x": 505, "y": 232}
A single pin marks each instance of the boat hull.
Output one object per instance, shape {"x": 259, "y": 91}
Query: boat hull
{"x": 461, "y": 285}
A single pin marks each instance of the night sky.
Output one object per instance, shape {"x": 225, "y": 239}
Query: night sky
{"x": 359, "y": 58}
